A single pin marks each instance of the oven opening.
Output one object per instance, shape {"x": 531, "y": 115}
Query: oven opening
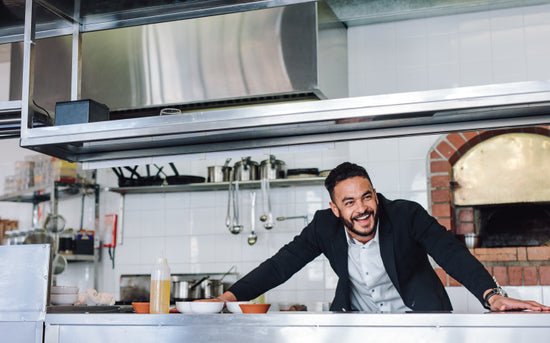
{"x": 510, "y": 225}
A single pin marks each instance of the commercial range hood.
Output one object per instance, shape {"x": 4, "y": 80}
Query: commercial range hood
{"x": 277, "y": 54}
{"x": 224, "y": 72}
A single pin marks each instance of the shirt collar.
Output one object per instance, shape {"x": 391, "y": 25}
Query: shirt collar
{"x": 353, "y": 241}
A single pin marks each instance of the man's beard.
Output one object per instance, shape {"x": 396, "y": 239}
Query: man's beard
{"x": 349, "y": 226}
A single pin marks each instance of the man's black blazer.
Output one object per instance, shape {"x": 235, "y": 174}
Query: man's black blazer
{"x": 407, "y": 235}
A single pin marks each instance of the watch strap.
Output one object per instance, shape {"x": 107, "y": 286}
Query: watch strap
{"x": 498, "y": 290}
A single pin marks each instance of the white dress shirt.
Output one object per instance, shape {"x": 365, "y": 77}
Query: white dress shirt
{"x": 371, "y": 287}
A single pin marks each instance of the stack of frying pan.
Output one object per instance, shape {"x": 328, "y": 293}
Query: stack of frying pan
{"x": 136, "y": 180}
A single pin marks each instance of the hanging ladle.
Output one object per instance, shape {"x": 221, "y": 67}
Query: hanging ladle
{"x": 269, "y": 222}
{"x": 263, "y": 182}
{"x": 236, "y": 227}
{"x": 229, "y": 198}
{"x": 252, "y": 238}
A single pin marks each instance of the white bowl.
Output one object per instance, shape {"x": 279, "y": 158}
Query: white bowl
{"x": 233, "y": 306}
{"x": 206, "y": 306}
{"x": 64, "y": 290}
{"x": 184, "y": 306}
{"x": 64, "y": 299}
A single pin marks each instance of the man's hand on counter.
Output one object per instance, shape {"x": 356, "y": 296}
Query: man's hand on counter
{"x": 227, "y": 296}
{"x": 499, "y": 303}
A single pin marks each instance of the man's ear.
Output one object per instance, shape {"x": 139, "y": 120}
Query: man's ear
{"x": 334, "y": 209}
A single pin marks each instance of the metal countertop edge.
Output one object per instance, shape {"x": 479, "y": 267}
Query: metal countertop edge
{"x": 308, "y": 319}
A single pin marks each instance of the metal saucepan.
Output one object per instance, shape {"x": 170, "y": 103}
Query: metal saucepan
{"x": 220, "y": 173}
{"x": 187, "y": 290}
{"x": 246, "y": 170}
{"x": 212, "y": 288}
{"x": 273, "y": 168}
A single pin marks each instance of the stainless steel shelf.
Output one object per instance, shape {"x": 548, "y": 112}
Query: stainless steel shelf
{"x": 42, "y": 193}
{"x": 380, "y": 116}
{"x": 217, "y": 186}
{"x": 79, "y": 258}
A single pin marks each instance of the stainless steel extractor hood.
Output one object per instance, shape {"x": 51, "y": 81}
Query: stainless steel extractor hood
{"x": 276, "y": 54}
{"x": 240, "y": 127}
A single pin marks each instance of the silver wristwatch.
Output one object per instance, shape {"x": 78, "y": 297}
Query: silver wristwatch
{"x": 498, "y": 290}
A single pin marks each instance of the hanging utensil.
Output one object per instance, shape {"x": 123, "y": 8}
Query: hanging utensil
{"x": 59, "y": 263}
{"x": 236, "y": 227}
{"x": 263, "y": 182}
{"x": 294, "y": 217}
{"x": 229, "y": 197}
{"x": 227, "y": 272}
{"x": 252, "y": 238}
{"x": 269, "y": 222}
{"x": 54, "y": 223}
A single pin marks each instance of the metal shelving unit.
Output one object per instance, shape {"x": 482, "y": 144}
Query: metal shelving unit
{"x": 219, "y": 186}
{"x": 54, "y": 193}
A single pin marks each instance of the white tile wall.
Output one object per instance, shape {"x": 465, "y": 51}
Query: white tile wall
{"x": 463, "y": 50}
{"x": 189, "y": 228}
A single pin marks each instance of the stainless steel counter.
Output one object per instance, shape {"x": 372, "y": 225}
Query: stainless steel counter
{"x": 299, "y": 327}
{"x": 23, "y": 291}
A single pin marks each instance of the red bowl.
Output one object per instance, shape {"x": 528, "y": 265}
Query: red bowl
{"x": 141, "y": 307}
{"x": 254, "y": 308}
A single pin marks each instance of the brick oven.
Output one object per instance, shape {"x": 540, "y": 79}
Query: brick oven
{"x": 496, "y": 184}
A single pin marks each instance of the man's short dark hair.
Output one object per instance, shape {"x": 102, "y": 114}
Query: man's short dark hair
{"x": 342, "y": 172}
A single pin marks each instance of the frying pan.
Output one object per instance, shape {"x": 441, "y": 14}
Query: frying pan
{"x": 138, "y": 180}
{"x": 178, "y": 179}
{"x": 150, "y": 180}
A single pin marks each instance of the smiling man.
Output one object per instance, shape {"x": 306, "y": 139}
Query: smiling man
{"x": 379, "y": 249}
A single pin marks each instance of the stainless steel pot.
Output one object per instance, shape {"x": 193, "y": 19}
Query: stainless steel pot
{"x": 246, "y": 170}
{"x": 219, "y": 173}
{"x": 212, "y": 288}
{"x": 273, "y": 169}
{"x": 187, "y": 290}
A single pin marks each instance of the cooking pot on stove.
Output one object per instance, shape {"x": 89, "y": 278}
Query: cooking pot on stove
{"x": 246, "y": 170}
{"x": 212, "y": 288}
{"x": 272, "y": 168}
{"x": 187, "y": 290}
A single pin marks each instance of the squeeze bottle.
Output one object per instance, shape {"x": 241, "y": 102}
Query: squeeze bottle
{"x": 160, "y": 287}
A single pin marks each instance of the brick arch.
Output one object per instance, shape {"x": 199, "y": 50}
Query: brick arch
{"x": 441, "y": 158}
